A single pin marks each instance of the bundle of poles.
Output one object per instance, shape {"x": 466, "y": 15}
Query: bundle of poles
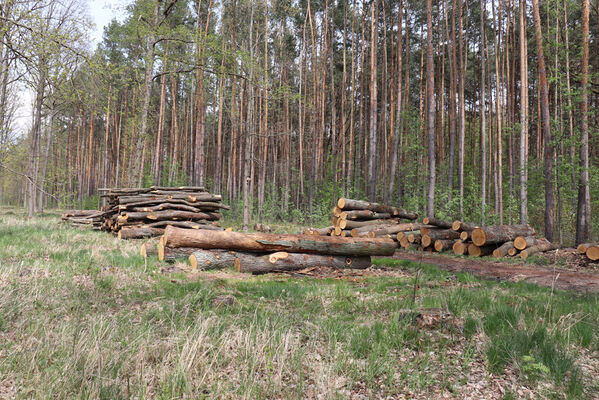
{"x": 265, "y": 252}
{"x": 145, "y": 212}
{"x": 359, "y": 218}
{"x": 468, "y": 239}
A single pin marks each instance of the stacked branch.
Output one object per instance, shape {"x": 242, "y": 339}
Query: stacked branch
{"x": 93, "y": 218}
{"x": 145, "y": 212}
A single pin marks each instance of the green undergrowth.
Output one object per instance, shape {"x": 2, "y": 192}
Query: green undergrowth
{"x": 82, "y": 315}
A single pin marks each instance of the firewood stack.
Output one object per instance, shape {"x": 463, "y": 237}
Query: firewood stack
{"x": 359, "y": 218}
{"x": 93, "y": 218}
{"x": 468, "y": 239}
{"x": 591, "y": 250}
{"x": 146, "y": 212}
{"x": 265, "y": 252}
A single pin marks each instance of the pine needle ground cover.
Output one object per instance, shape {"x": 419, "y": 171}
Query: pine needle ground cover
{"x": 82, "y": 315}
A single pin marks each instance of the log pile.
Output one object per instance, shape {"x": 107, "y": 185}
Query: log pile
{"x": 146, "y": 212}
{"x": 93, "y": 218}
{"x": 591, "y": 250}
{"x": 468, "y": 239}
{"x": 265, "y": 252}
{"x": 359, "y": 218}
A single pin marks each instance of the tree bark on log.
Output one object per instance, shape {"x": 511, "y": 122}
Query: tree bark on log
{"x": 463, "y": 226}
{"x": 148, "y": 249}
{"x": 215, "y": 259}
{"x": 540, "y": 246}
{"x": 201, "y": 224}
{"x": 266, "y": 242}
{"x": 283, "y": 261}
{"x": 166, "y": 198}
{"x": 345, "y": 224}
{"x": 503, "y": 250}
{"x": 500, "y": 233}
{"x": 356, "y": 215}
{"x": 139, "y": 232}
{"x": 522, "y": 242}
{"x": 169, "y": 215}
{"x": 349, "y": 204}
{"x": 436, "y": 222}
{"x": 386, "y": 229}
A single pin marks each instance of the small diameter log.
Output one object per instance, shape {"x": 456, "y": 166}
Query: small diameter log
{"x": 592, "y": 252}
{"x": 214, "y": 259}
{"x": 512, "y": 252}
{"x": 148, "y": 249}
{"x": 167, "y": 198}
{"x": 170, "y": 215}
{"x": 582, "y": 248}
{"x": 444, "y": 244}
{"x": 349, "y": 204}
{"x": 345, "y": 224}
{"x": 439, "y": 234}
{"x": 425, "y": 240}
{"x": 460, "y": 248}
{"x": 414, "y": 237}
{"x": 363, "y": 215}
{"x": 139, "y": 232}
{"x": 479, "y": 251}
{"x": 503, "y": 250}
{"x": 337, "y": 211}
{"x": 386, "y": 229}
{"x": 283, "y": 261}
{"x": 404, "y": 243}
{"x": 522, "y": 242}
{"x": 540, "y": 246}
{"x": 465, "y": 235}
{"x": 436, "y": 222}
{"x": 210, "y": 225}
{"x": 319, "y": 231}
{"x": 267, "y": 242}
{"x": 496, "y": 234}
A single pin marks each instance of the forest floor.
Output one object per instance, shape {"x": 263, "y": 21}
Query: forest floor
{"x": 83, "y": 315}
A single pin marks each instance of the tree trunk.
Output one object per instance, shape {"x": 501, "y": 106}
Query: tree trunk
{"x": 523, "y": 116}
{"x": 372, "y": 155}
{"x": 430, "y": 88}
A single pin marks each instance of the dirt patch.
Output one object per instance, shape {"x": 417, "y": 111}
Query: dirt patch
{"x": 560, "y": 278}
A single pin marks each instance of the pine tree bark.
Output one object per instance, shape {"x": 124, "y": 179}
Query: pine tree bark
{"x": 430, "y": 71}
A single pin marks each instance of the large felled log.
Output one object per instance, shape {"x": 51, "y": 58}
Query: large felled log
{"x": 283, "y": 261}
{"x": 500, "y": 233}
{"x": 503, "y": 250}
{"x": 522, "y": 242}
{"x": 444, "y": 244}
{"x": 582, "y": 248}
{"x": 139, "y": 232}
{"x": 266, "y": 242}
{"x": 214, "y": 259}
{"x": 436, "y": 222}
{"x": 345, "y": 224}
{"x": 592, "y": 252}
{"x": 540, "y": 246}
{"x": 460, "y": 248}
{"x": 479, "y": 251}
{"x": 363, "y": 214}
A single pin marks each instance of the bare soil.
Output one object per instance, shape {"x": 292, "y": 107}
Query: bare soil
{"x": 578, "y": 276}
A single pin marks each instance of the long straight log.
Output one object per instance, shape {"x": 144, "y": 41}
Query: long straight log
{"x": 350, "y": 204}
{"x": 283, "y": 261}
{"x": 386, "y": 229}
{"x": 463, "y": 226}
{"x": 345, "y": 224}
{"x": 540, "y": 246}
{"x": 356, "y": 215}
{"x": 163, "y": 198}
{"x": 139, "y": 232}
{"x": 200, "y": 224}
{"x": 266, "y": 242}
{"x": 438, "y": 234}
{"x": 500, "y": 233}
{"x": 436, "y": 222}
{"x": 522, "y": 242}
{"x": 503, "y": 250}
{"x": 169, "y": 215}
{"x": 202, "y": 205}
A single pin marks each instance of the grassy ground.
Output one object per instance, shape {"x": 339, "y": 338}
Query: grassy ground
{"x": 82, "y": 315}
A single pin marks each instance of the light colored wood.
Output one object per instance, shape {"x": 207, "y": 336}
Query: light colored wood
{"x": 283, "y": 261}
{"x": 498, "y": 234}
{"x": 503, "y": 250}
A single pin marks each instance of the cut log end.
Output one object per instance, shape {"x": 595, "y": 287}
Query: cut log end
{"x": 479, "y": 237}
{"x": 464, "y": 235}
{"x": 593, "y": 252}
{"x": 193, "y": 261}
{"x": 456, "y": 225}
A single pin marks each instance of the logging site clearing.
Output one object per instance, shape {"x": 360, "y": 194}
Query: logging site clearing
{"x": 84, "y": 314}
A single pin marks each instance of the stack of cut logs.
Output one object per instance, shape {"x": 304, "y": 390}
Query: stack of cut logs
{"x": 591, "y": 250}
{"x": 265, "y": 252}
{"x": 93, "y": 218}
{"x": 141, "y": 213}
{"x": 358, "y": 218}
{"x": 468, "y": 239}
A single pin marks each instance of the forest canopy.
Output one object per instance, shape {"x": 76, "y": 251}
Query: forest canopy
{"x": 477, "y": 110}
